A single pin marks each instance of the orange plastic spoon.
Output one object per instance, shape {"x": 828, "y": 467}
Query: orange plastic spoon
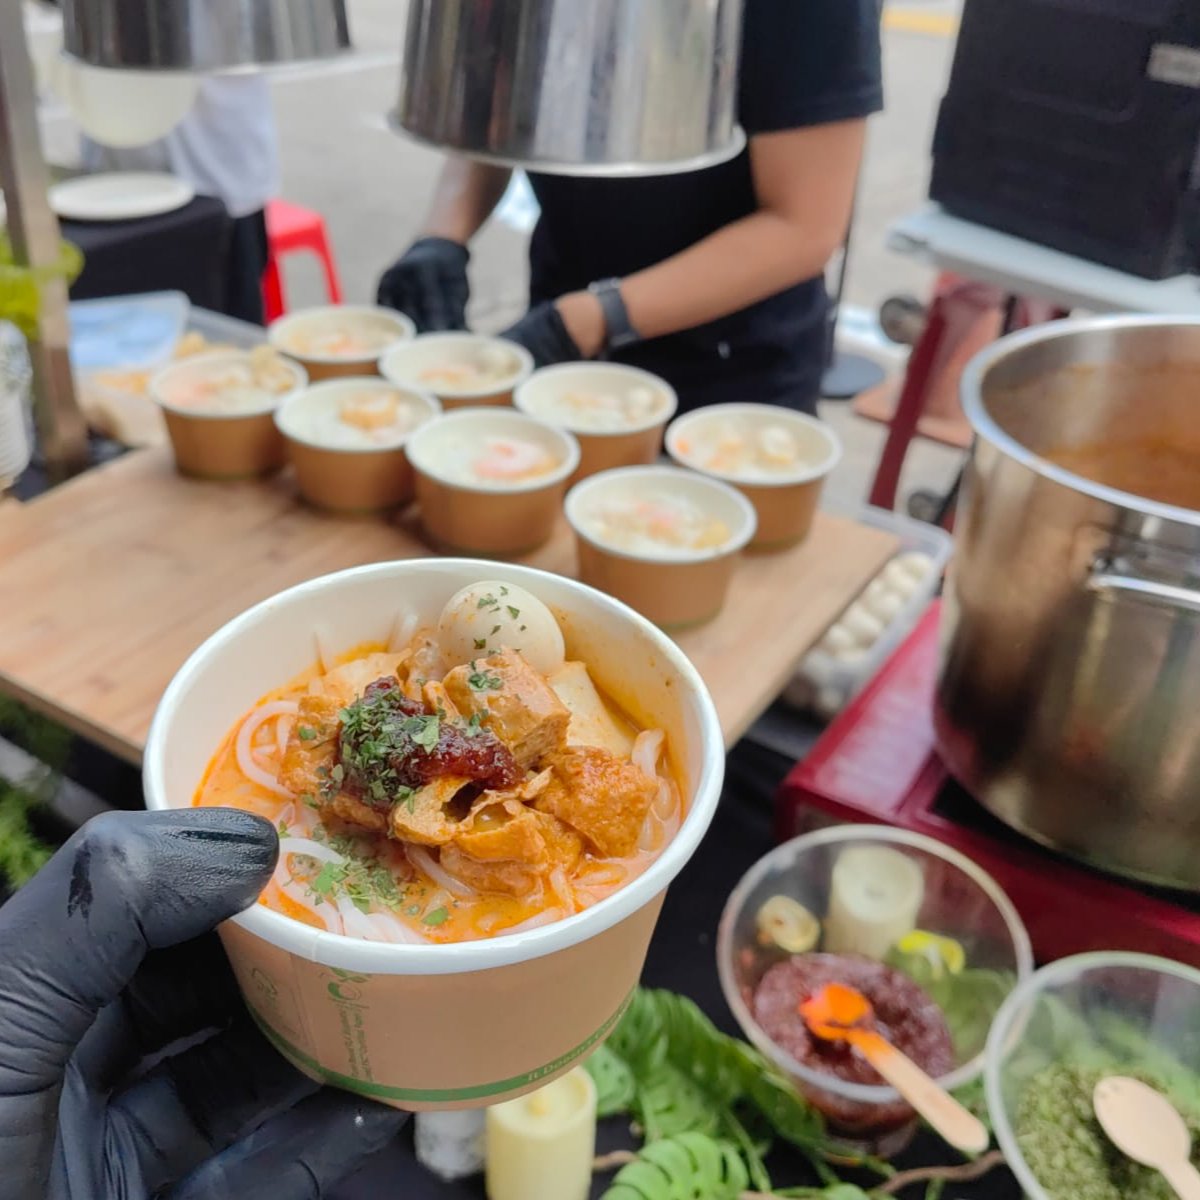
{"x": 838, "y": 1013}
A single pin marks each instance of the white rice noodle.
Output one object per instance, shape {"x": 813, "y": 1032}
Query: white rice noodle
{"x": 298, "y": 845}
{"x": 666, "y": 801}
{"x": 647, "y": 746}
{"x": 356, "y": 924}
{"x": 244, "y": 746}
{"x": 283, "y": 731}
{"x": 423, "y": 861}
{"x": 561, "y": 888}
{"x": 325, "y": 659}
{"x": 325, "y": 914}
{"x": 395, "y": 929}
{"x": 548, "y": 917}
{"x": 403, "y": 628}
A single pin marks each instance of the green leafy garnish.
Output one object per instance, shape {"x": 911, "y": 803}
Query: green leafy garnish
{"x": 495, "y": 630}
{"x": 481, "y": 643}
{"x": 488, "y": 601}
{"x": 481, "y": 681}
{"x": 439, "y": 916}
{"x": 513, "y": 612}
{"x": 305, "y": 734}
{"x": 283, "y": 829}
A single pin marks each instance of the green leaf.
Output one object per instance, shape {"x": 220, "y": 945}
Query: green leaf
{"x": 614, "y": 1082}
{"x": 688, "y": 1167}
{"x": 20, "y": 300}
{"x": 439, "y": 916}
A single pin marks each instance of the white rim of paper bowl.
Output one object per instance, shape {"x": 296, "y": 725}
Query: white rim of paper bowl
{"x": 279, "y": 327}
{"x": 390, "y": 369}
{"x": 806, "y": 474}
{"x": 538, "y": 378}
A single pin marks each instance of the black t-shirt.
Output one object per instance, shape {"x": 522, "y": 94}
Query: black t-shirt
{"x": 803, "y": 62}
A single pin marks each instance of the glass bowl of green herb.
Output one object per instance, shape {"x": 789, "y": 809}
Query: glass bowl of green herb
{"x": 1065, "y": 1028}
{"x": 924, "y": 933}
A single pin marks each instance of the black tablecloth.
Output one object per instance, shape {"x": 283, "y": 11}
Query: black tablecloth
{"x": 185, "y": 250}
{"x": 682, "y": 959}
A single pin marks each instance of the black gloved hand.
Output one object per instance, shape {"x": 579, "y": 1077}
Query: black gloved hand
{"x": 102, "y": 965}
{"x": 429, "y": 284}
{"x": 543, "y": 333}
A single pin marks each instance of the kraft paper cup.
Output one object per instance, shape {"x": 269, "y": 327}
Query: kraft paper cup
{"x": 429, "y": 1026}
{"x": 213, "y": 445}
{"x": 675, "y": 592}
{"x": 786, "y": 504}
{"x": 408, "y": 363}
{"x": 637, "y": 444}
{"x": 487, "y": 518}
{"x": 287, "y": 333}
{"x": 349, "y": 479}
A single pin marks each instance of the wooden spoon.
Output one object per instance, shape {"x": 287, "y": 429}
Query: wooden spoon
{"x": 1145, "y": 1125}
{"x": 838, "y": 1013}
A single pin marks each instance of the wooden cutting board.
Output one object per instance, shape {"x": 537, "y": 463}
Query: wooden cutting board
{"x": 109, "y": 582}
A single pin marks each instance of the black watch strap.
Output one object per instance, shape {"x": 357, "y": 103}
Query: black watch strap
{"x": 619, "y": 330}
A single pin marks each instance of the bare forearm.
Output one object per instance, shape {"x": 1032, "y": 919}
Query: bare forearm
{"x": 737, "y": 266}
{"x": 464, "y": 197}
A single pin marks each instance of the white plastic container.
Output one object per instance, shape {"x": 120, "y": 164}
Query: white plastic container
{"x": 16, "y": 441}
{"x": 827, "y": 680}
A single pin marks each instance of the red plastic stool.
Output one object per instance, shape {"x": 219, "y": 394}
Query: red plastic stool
{"x": 291, "y": 228}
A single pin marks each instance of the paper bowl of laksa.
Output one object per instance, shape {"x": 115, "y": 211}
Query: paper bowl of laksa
{"x": 778, "y": 459}
{"x": 484, "y": 779}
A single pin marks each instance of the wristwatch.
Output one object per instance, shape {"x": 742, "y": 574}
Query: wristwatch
{"x": 618, "y": 330}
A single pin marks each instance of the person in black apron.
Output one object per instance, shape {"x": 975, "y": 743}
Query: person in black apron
{"x": 712, "y": 279}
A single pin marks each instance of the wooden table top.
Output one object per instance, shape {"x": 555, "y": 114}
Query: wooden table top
{"x": 109, "y": 582}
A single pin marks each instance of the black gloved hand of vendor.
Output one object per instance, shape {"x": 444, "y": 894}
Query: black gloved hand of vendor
{"x": 544, "y": 334}
{"x": 429, "y": 284}
{"x": 106, "y": 966}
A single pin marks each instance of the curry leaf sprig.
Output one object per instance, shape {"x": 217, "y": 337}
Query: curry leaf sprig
{"x": 702, "y": 1101}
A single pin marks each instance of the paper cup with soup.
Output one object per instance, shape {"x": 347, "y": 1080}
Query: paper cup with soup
{"x": 491, "y": 480}
{"x": 346, "y": 439}
{"x": 617, "y": 413}
{"x": 340, "y": 339}
{"x": 777, "y": 458}
{"x": 484, "y": 778}
{"x": 219, "y": 411}
{"x": 463, "y": 370}
{"x": 663, "y": 540}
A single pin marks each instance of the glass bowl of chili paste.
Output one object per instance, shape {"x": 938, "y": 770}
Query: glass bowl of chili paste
{"x": 927, "y": 936}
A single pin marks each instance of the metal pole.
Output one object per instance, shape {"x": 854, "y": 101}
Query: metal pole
{"x": 33, "y": 229}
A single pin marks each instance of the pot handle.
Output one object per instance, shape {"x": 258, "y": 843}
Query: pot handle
{"x": 1149, "y": 590}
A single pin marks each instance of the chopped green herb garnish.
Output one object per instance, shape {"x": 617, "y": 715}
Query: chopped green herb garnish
{"x": 481, "y": 681}
{"x": 513, "y": 612}
{"x": 328, "y": 877}
{"x": 495, "y": 630}
{"x": 424, "y": 731}
{"x": 309, "y": 800}
{"x": 408, "y": 797}
{"x": 488, "y": 601}
{"x": 283, "y": 829}
{"x": 439, "y": 916}
{"x": 305, "y": 734}
{"x": 475, "y": 724}
{"x": 413, "y": 910}
{"x": 524, "y": 627}
{"x": 481, "y": 643}
{"x": 503, "y": 590}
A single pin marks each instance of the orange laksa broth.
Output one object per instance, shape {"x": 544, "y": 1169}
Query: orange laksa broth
{"x": 422, "y": 800}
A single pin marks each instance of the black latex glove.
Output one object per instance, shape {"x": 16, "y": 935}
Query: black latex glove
{"x": 102, "y": 966}
{"x": 544, "y": 334}
{"x": 429, "y": 284}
